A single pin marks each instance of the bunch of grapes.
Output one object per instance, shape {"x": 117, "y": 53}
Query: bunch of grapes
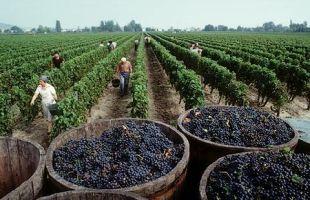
{"x": 238, "y": 126}
{"x": 268, "y": 175}
{"x": 121, "y": 157}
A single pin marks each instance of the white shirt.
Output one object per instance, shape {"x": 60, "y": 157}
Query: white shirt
{"x": 113, "y": 45}
{"x": 46, "y": 93}
{"x": 194, "y": 50}
{"x": 101, "y": 45}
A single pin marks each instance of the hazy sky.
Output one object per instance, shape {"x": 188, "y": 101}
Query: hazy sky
{"x": 155, "y": 13}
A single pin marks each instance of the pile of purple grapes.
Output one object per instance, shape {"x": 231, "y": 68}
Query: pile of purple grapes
{"x": 123, "y": 156}
{"x": 268, "y": 175}
{"x": 238, "y": 126}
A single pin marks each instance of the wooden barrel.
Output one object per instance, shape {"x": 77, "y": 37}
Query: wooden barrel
{"x": 206, "y": 174}
{"x": 165, "y": 187}
{"x": 206, "y": 151}
{"x": 303, "y": 127}
{"x": 303, "y": 147}
{"x": 21, "y": 169}
{"x": 92, "y": 195}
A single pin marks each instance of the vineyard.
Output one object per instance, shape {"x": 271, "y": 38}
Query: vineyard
{"x": 269, "y": 74}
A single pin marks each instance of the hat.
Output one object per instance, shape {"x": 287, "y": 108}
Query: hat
{"x": 123, "y": 59}
{"x": 44, "y": 78}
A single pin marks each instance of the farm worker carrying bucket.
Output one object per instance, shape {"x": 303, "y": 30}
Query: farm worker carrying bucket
{"x": 49, "y": 97}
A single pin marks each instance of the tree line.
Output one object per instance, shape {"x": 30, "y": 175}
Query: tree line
{"x": 105, "y": 26}
{"x": 266, "y": 27}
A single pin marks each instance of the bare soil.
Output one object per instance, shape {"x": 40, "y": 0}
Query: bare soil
{"x": 111, "y": 105}
{"x": 36, "y": 131}
{"x": 164, "y": 99}
{"x": 296, "y": 108}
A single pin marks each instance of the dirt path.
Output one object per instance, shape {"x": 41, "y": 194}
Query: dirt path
{"x": 110, "y": 104}
{"x": 213, "y": 98}
{"x": 164, "y": 100}
{"x": 296, "y": 108}
{"x": 36, "y": 131}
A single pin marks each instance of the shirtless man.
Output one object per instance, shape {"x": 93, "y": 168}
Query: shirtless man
{"x": 123, "y": 69}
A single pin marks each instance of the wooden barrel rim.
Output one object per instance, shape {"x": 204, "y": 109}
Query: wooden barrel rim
{"x": 204, "y": 179}
{"x": 290, "y": 143}
{"x": 150, "y": 187}
{"x": 69, "y": 193}
{"x": 39, "y": 170}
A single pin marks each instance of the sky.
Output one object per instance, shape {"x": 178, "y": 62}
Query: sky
{"x": 155, "y": 13}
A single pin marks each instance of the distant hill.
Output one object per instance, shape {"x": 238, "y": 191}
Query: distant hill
{"x": 5, "y": 26}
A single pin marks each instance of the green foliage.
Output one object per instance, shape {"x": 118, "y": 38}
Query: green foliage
{"x": 5, "y": 125}
{"x": 85, "y": 93}
{"x": 18, "y": 84}
{"x": 43, "y": 29}
{"x": 109, "y": 26}
{"x": 185, "y": 81}
{"x": 133, "y": 27}
{"x": 140, "y": 103}
{"x": 215, "y": 75}
{"x": 289, "y": 67}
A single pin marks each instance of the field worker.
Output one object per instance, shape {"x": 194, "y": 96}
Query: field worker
{"x": 111, "y": 45}
{"x": 114, "y": 45}
{"x": 123, "y": 70}
{"x": 195, "y": 48}
{"x": 136, "y": 44}
{"x": 147, "y": 40}
{"x": 192, "y": 47}
{"x": 101, "y": 44}
{"x": 57, "y": 59}
{"x": 48, "y": 95}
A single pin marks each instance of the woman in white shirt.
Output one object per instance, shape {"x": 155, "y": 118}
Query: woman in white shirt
{"x": 48, "y": 95}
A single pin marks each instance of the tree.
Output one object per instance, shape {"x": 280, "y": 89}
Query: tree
{"x": 43, "y": 29}
{"x": 86, "y": 29}
{"x": 95, "y": 29}
{"x": 133, "y": 27}
{"x": 209, "y": 27}
{"x": 102, "y": 26}
{"x": 298, "y": 27}
{"x": 117, "y": 28}
{"x": 128, "y": 28}
{"x": 148, "y": 29}
{"x": 240, "y": 28}
{"x": 16, "y": 29}
{"x": 222, "y": 28}
{"x": 109, "y": 26}
{"x": 0, "y": 30}
{"x": 58, "y": 27}
{"x": 269, "y": 26}
{"x": 138, "y": 28}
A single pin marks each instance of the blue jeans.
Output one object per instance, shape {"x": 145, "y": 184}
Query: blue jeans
{"x": 124, "y": 79}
